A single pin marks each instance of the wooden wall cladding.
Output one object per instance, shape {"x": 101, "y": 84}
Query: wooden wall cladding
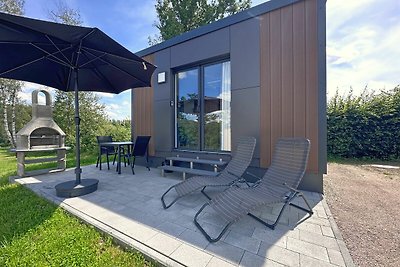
{"x": 143, "y": 111}
{"x": 289, "y": 78}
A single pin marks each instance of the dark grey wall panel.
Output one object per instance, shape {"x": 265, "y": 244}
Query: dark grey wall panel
{"x": 245, "y": 54}
{"x": 162, "y": 60}
{"x": 245, "y": 117}
{"x": 163, "y": 126}
{"x": 312, "y": 182}
{"x": 204, "y": 47}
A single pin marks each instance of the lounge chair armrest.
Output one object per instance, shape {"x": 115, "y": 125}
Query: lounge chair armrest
{"x": 240, "y": 180}
{"x": 291, "y": 188}
{"x": 249, "y": 173}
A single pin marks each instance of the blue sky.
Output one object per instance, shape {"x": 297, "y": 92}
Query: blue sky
{"x": 363, "y": 40}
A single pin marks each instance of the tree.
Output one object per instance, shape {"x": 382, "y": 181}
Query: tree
{"x": 178, "y": 16}
{"x": 15, "y": 7}
{"x": 64, "y": 14}
{"x": 9, "y": 89}
{"x": 92, "y": 114}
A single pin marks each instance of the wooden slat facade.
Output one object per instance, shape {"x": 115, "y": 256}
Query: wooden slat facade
{"x": 143, "y": 112}
{"x": 289, "y": 78}
{"x": 289, "y": 85}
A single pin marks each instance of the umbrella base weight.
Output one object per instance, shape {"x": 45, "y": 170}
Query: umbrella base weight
{"x": 71, "y": 189}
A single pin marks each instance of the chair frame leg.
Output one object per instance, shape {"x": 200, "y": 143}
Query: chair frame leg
{"x": 209, "y": 238}
{"x": 147, "y": 160}
{"x": 133, "y": 159}
{"x": 176, "y": 199}
{"x": 108, "y": 162}
{"x": 165, "y": 206}
{"x": 204, "y": 193}
{"x": 272, "y": 226}
{"x": 287, "y": 202}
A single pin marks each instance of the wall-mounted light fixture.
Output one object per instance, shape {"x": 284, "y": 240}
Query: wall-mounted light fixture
{"x": 161, "y": 77}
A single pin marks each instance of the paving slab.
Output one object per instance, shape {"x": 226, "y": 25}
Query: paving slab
{"x": 244, "y": 242}
{"x": 128, "y": 207}
{"x": 278, "y": 254}
{"x": 226, "y": 251}
{"x": 309, "y": 249}
{"x": 250, "y": 260}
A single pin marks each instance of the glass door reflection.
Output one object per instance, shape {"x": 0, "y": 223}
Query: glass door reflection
{"x": 217, "y": 107}
{"x": 188, "y": 110}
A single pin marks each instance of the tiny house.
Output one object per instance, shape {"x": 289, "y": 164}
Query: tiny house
{"x": 260, "y": 72}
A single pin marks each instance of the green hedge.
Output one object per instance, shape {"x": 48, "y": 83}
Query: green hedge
{"x": 366, "y": 126}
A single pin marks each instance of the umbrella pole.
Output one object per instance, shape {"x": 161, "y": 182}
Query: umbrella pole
{"x": 78, "y": 169}
{"x": 77, "y": 187}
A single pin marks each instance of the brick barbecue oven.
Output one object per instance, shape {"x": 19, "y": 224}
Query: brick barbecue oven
{"x": 40, "y": 134}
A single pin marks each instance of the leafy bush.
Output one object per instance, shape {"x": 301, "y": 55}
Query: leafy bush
{"x": 365, "y": 126}
{"x": 94, "y": 120}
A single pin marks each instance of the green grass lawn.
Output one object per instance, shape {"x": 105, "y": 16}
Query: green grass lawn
{"x": 35, "y": 232}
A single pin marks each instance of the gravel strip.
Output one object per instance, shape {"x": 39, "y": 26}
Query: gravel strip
{"x": 365, "y": 203}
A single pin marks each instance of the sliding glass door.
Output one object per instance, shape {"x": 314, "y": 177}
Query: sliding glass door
{"x": 203, "y": 110}
{"x": 188, "y": 110}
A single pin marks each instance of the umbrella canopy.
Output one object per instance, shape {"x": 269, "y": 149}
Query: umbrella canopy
{"x": 69, "y": 58}
{"x": 48, "y": 53}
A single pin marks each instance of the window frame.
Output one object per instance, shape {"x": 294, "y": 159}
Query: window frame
{"x": 201, "y": 129}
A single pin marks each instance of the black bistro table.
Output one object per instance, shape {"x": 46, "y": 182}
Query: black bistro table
{"x": 119, "y": 145}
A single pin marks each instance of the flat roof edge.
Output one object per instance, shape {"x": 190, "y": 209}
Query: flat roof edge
{"x": 222, "y": 23}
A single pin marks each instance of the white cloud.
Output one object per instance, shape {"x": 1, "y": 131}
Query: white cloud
{"x": 118, "y": 112}
{"x": 362, "y": 45}
{"x": 126, "y": 103}
{"x": 28, "y": 88}
{"x": 105, "y": 95}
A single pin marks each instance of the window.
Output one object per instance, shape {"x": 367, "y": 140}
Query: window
{"x": 203, "y": 108}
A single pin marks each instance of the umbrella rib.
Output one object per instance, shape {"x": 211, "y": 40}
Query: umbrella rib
{"x": 23, "y": 43}
{"x": 59, "y": 62}
{"x": 114, "y": 55}
{"x": 21, "y": 66}
{"x": 32, "y": 61}
{"x": 48, "y": 38}
{"x": 36, "y": 60}
{"x": 113, "y": 65}
{"x": 56, "y": 59}
{"x": 90, "y": 61}
{"x": 80, "y": 46}
{"x": 69, "y": 78}
{"x": 98, "y": 73}
{"x": 89, "y": 33}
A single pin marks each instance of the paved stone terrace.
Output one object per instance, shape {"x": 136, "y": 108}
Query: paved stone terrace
{"x": 128, "y": 207}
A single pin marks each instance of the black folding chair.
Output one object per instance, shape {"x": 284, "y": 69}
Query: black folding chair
{"x": 105, "y": 150}
{"x": 140, "y": 149}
